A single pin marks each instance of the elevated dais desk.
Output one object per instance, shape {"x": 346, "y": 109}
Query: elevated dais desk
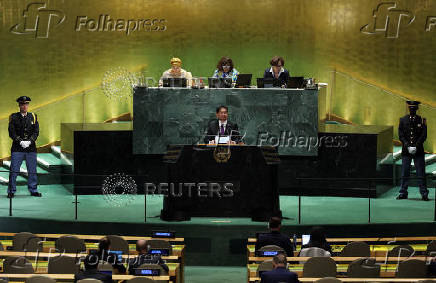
{"x": 164, "y": 116}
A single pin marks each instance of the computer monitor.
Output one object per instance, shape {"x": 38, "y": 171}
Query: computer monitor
{"x": 267, "y": 253}
{"x": 295, "y": 82}
{"x": 174, "y": 82}
{"x": 244, "y": 80}
{"x": 162, "y": 252}
{"x": 163, "y": 234}
{"x": 268, "y": 83}
{"x": 305, "y": 239}
{"x": 224, "y": 139}
{"x": 220, "y": 82}
{"x": 147, "y": 271}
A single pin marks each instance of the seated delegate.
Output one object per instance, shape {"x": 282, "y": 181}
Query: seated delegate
{"x": 225, "y": 69}
{"x": 145, "y": 258}
{"x": 176, "y": 71}
{"x": 274, "y": 237}
{"x": 277, "y": 71}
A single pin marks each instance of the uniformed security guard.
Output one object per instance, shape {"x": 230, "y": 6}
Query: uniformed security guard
{"x": 412, "y": 131}
{"x": 23, "y": 130}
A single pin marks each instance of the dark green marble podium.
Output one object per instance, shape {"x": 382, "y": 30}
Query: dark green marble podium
{"x": 284, "y": 117}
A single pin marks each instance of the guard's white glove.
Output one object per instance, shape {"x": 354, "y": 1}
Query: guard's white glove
{"x": 412, "y": 149}
{"x": 23, "y": 144}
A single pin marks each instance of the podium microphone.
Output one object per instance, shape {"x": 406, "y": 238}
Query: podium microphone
{"x": 219, "y": 136}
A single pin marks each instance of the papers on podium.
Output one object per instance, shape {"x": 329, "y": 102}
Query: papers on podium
{"x": 222, "y": 139}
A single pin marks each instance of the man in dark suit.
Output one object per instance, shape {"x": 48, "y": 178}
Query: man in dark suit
{"x": 274, "y": 237}
{"x": 280, "y": 274}
{"x": 91, "y": 264}
{"x": 222, "y": 127}
{"x": 103, "y": 254}
{"x": 23, "y": 130}
{"x": 145, "y": 258}
{"x": 412, "y": 132}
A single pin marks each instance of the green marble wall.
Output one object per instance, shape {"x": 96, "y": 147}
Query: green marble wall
{"x": 165, "y": 116}
{"x": 371, "y": 68}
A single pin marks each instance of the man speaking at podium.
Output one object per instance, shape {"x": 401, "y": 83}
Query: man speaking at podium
{"x": 222, "y": 128}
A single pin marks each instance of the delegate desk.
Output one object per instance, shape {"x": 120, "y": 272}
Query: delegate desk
{"x": 70, "y": 277}
{"x": 176, "y": 261}
{"x": 39, "y": 261}
{"x": 379, "y": 247}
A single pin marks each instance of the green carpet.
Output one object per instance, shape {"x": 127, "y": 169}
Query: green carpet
{"x": 57, "y": 204}
{"x": 215, "y": 274}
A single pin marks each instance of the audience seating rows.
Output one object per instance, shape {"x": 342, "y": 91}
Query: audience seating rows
{"x": 275, "y": 255}
{"x": 26, "y": 253}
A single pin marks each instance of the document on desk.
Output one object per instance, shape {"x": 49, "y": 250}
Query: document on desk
{"x": 222, "y": 139}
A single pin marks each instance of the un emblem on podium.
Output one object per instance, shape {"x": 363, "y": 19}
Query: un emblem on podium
{"x": 222, "y": 154}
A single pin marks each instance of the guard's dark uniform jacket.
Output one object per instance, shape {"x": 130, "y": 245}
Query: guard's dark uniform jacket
{"x": 23, "y": 129}
{"x": 412, "y": 131}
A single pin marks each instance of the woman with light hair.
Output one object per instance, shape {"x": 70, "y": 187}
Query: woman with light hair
{"x": 176, "y": 71}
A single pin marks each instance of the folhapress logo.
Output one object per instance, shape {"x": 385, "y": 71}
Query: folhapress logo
{"x": 38, "y": 20}
{"x": 388, "y": 20}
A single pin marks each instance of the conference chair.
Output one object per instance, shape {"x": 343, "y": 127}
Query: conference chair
{"x": 363, "y": 268}
{"x": 3, "y": 281}
{"x": 319, "y": 267}
{"x": 26, "y": 241}
{"x": 356, "y": 249}
{"x": 314, "y": 251}
{"x": 17, "y": 265}
{"x": 118, "y": 244}
{"x": 104, "y": 266}
{"x": 63, "y": 265}
{"x": 89, "y": 280}
{"x": 328, "y": 280}
{"x": 411, "y": 268}
{"x": 70, "y": 244}
{"x": 40, "y": 279}
{"x": 264, "y": 266}
{"x": 159, "y": 244}
{"x": 401, "y": 251}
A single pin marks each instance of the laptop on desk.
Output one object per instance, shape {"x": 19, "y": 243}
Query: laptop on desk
{"x": 244, "y": 80}
{"x": 174, "y": 82}
{"x": 268, "y": 83}
{"x": 220, "y": 82}
{"x": 295, "y": 82}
